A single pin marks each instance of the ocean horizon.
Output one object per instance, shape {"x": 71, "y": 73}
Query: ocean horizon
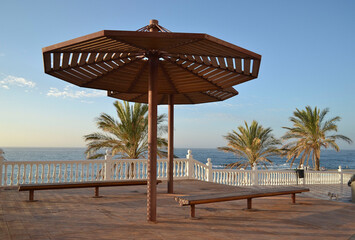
{"x": 330, "y": 159}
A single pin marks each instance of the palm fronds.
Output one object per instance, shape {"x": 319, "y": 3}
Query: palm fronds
{"x": 309, "y": 134}
{"x": 253, "y": 143}
{"x": 127, "y": 136}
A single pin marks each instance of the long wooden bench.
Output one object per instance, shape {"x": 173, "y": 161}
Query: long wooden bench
{"x": 52, "y": 186}
{"x": 249, "y": 194}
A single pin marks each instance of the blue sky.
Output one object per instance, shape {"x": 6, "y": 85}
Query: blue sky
{"x": 307, "y": 49}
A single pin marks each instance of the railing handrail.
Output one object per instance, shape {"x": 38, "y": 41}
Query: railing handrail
{"x": 53, "y": 161}
{"x": 89, "y": 160}
{"x": 163, "y": 159}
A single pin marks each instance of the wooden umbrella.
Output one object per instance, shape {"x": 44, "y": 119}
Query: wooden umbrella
{"x": 151, "y": 60}
{"x": 171, "y": 100}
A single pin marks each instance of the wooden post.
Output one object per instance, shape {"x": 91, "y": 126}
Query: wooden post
{"x": 171, "y": 145}
{"x": 152, "y": 138}
{"x": 293, "y": 198}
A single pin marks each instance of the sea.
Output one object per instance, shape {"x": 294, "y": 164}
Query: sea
{"x": 329, "y": 160}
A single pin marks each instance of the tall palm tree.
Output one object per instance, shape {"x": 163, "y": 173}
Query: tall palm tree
{"x": 309, "y": 135}
{"x": 254, "y": 143}
{"x": 126, "y": 137}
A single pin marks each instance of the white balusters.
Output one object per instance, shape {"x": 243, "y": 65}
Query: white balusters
{"x": 18, "y": 174}
{"x": 36, "y": 174}
{"x": 60, "y": 174}
{"x": 142, "y": 169}
{"x": 121, "y": 170}
{"x": 71, "y": 173}
{"x": 54, "y": 175}
{"x": 14, "y": 173}
{"x": 92, "y": 172}
{"x": 87, "y": 173}
{"x": 24, "y": 173}
{"x": 137, "y": 169}
{"x": 49, "y": 173}
{"x": 76, "y": 172}
{"x": 42, "y": 173}
{"x": 65, "y": 174}
{"x": 30, "y": 174}
{"x": 5, "y": 175}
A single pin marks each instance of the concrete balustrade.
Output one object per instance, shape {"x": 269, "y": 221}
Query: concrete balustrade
{"x": 13, "y": 173}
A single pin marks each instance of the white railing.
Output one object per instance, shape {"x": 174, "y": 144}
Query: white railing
{"x": 16, "y": 172}
{"x": 328, "y": 177}
{"x": 284, "y": 177}
{"x": 232, "y": 177}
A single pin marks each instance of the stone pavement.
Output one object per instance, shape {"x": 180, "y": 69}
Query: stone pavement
{"x": 121, "y": 214}
{"x": 321, "y": 191}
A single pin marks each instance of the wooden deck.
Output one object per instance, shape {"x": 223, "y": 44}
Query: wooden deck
{"x": 121, "y": 214}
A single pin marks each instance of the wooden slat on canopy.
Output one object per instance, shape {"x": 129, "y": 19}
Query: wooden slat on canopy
{"x": 182, "y": 98}
{"x": 117, "y": 60}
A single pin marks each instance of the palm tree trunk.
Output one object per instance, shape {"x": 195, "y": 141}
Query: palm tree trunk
{"x": 130, "y": 171}
{"x": 316, "y": 161}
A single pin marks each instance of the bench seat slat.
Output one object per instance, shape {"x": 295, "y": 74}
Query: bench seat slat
{"x": 244, "y": 194}
{"x": 48, "y": 186}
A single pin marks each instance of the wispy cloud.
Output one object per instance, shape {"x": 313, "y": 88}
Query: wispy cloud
{"x": 9, "y": 81}
{"x": 2, "y": 54}
{"x": 68, "y": 92}
{"x": 89, "y": 102}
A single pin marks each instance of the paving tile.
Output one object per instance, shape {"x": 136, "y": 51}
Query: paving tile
{"x": 121, "y": 214}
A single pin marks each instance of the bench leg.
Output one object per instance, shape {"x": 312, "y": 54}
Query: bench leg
{"x": 31, "y": 196}
{"x": 293, "y": 198}
{"x": 192, "y": 210}
{"x": 249, "y": 203}
{"x": 97, "y": 192}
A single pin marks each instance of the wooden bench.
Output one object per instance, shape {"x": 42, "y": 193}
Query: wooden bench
{"x": 249, "y": 194}
{"x": 52, "y": 186}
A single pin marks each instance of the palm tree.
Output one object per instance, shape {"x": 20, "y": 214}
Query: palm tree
{"x": 126, "y": 137}
{"x": 309, "y": 133}
{"x": 254, "y": 143}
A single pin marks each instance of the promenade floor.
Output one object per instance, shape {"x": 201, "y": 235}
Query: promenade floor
{"x": 121, "y": 214}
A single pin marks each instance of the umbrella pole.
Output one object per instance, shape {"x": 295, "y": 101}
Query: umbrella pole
{"x": 152, "y": 139}
{"x": 171, "y": 145}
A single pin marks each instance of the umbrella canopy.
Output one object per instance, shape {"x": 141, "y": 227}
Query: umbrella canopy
{"x": 118, "y": 61}
{"x": 151, "y": 60}
{"x": 182, "y": 98}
